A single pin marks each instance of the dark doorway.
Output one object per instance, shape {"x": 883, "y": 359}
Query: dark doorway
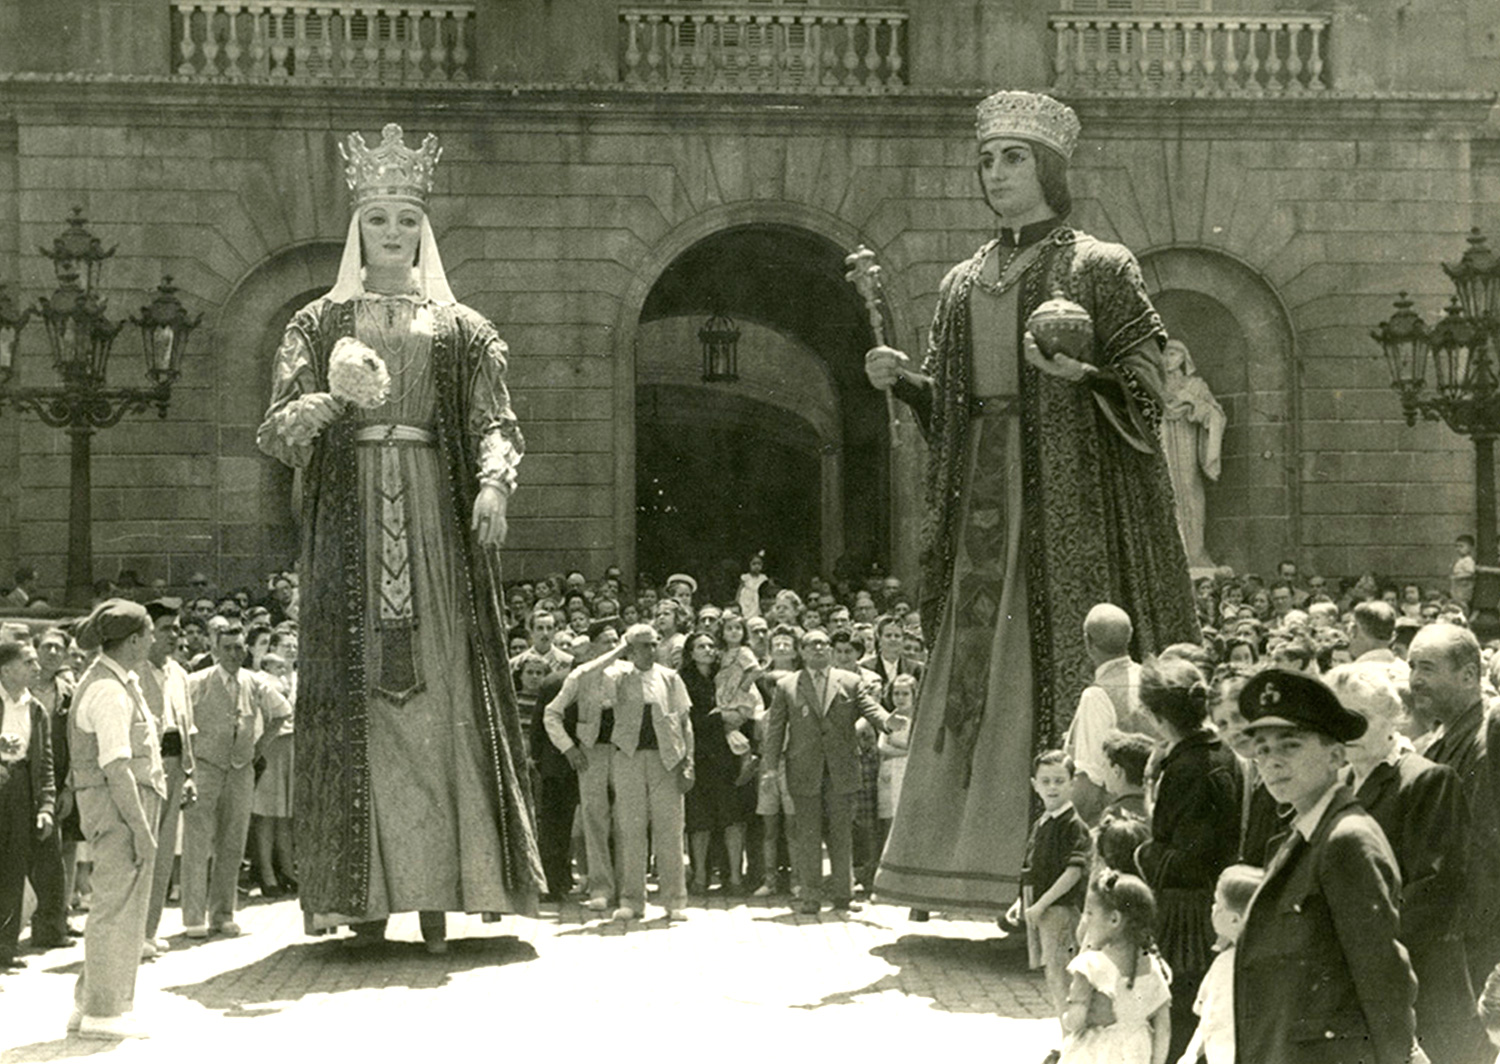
{"x": 718, "y": 475}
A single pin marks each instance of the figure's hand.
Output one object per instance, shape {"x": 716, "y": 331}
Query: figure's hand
{"x": 577, "y": 759}
{"x": 1035, "y": 912}
{"x": 884, "y": 366}
{"x": 684, "y": 776}
{"x": 64, "y": 803}
{"x": 43, "y": 825}
{"x": 1062, "y": 366}
{"x": 733, "y": 718}
{"x": 489, "y": 516}
{"x": 319, "y": 410}
{"x": 143, "y": 843}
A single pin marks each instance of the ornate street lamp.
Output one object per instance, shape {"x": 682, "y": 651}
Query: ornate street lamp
{"x": 80, "y": 337}
{"x": 720, "y": 338}
{"x": 1466, "y": 390}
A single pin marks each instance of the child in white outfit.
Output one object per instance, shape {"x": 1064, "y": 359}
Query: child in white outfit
{"x": 1213, "y": 1041}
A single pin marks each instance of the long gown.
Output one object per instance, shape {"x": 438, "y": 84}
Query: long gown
{"x": 407, "y": 798}
{"x": 1044, "y": 498}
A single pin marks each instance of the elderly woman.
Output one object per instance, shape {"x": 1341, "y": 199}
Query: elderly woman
{"x": 409, "y": 779}
{"x": 1420, "y": 807}
{"x": 1046, "y": 492}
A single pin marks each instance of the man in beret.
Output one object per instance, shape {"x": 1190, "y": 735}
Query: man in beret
{"x": 119, "y": 783}
{"x": 1319, "y": 975}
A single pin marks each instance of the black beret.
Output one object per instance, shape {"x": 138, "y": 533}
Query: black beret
{"x": 1286, "y": 699}
{"x": 596, "y": 628}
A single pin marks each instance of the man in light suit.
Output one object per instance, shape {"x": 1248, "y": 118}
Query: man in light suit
{"x": 233, "y": 710}
{"x": 1319, "y": 974}
{"x": 812, "y": 717}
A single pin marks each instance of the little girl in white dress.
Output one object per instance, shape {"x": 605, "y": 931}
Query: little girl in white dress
{"x": 1118, "y": 1000}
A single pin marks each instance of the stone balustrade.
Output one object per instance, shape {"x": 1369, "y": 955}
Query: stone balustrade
{"x": 341, "y": 41}
{"x": 763, "y": 49}
{"x": 1191, "y": 54}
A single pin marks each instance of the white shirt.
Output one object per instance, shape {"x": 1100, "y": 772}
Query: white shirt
{"x": 17, "y": 722}
{"x": 1094, "y": 719}
{"x": 1053, "y": 814}
{"x": 1215, "y": 1007}
{"x": 1307, "y": 822}
{"x": 106, "y": 712}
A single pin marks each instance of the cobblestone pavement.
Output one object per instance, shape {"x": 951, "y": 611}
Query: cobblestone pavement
{"x": 737, "y": 981}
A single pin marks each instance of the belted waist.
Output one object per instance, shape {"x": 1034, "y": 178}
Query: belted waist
{"x": 396, "y": 435}
{"x": 994, "y": 406}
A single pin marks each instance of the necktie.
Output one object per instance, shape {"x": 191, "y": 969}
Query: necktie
{"x": 820, "y": 688}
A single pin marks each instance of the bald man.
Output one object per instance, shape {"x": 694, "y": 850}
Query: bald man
{"x": 1111, "y": 702}
{"x": 1446, "y": 686}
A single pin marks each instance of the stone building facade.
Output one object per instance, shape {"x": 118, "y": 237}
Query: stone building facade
{"x": 614, "y": 173}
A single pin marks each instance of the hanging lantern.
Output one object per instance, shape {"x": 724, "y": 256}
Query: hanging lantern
{"x": 1404, "y": 339}
{"x": 721, "y": 350}
{"x": 1454, "y": 342}
{"x": 1477, "y": 277}
{"x": 165, "y": 327}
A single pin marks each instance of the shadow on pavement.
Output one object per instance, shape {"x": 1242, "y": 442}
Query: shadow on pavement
{"x": 957, "y": 974}
{"x": 59, "y": 1049}
{"x": 331, "y": 967}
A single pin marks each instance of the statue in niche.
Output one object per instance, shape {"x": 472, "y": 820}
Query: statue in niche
{"x": 1192, "y": 436}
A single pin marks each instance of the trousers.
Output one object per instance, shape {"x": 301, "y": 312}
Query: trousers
{"x": 213, "y": 832}
{"x": 556, "y": 803}
{"x": 49, "y": 923}
{"x": 807, "y": 842}
{"x": 117, "y": 919}
{"x": 17, "y": 828}
{"x": 646, "y": 797}
{"x": 593, "y": 800}
{"x": 167, "y": 826}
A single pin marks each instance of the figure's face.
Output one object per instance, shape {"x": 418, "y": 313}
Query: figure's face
{"x": 1172, "y": 355}
{"x": 782, "y": 647}
{"x": 1439, "y": 687}
{"x": 1281, "y": 600}
{"x": 1296, "y": 765}
{"x": 542, "y": 627}
{"x": 229, "y": 650}
{"x": 666, "y": 619}
{"x": 1226, "y": 920}
{"x": 1225, "y": 712}
{"x": 168, "y": 629}
{"x": 1008, "y": 171}
{"x": 532, "y": 675}
{"x": 519, "y": 645}
{"x": 816, "y": 651}
{"x": 1053, "y": 784}
{"x": 846, "y": 657}
{"x": 52, "y": 654}
{"x": 389, "y": 232}
{"x": 892, "y": 641}
{"x": 839, "y": 619}
{"x": 23, "y": 672}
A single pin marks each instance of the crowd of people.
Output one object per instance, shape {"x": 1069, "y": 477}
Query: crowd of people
{"x": 690, "y": 738}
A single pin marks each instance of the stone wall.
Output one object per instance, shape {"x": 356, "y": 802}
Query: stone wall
{"x": 556, "y": 210}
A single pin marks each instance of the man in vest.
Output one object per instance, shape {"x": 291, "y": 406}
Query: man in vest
{"x": 118, "y": 780}
{"x": 1112, "y": 701}
{"x": 232, "y": 711}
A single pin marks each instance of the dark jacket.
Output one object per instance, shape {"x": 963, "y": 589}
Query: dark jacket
{"x": 1195, "y": 826}
{"x": 38, "y": 763}
{"x": 1319, "y": 977}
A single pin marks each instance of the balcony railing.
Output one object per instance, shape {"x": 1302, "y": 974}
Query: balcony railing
{"x": 1191, "y": 54}
{"x": 786, "y": 49}
{"x": 398, "y": 43}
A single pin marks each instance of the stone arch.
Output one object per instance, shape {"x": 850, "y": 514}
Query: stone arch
{"x": 257, "y": 524}
{"x": 1241, "y": 337}
{"x": 829, "y": 228}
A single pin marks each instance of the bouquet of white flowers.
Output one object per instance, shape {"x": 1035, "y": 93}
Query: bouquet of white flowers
{"x": 356, "y": 374}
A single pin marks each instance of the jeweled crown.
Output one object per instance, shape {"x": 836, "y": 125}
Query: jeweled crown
{"x": 391, "y": 171}
{"x": 1028, "y": 116}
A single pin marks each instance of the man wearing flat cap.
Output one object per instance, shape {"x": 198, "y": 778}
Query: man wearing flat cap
{"x": 1319, "y": 975}
{"x": 118, "y": 779}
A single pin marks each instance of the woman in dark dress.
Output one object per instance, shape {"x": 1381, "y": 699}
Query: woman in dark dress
{"x": 715, "y": 806}
{"x": 1195, "y": 826}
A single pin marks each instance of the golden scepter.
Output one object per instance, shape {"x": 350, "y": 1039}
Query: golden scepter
{"x": 864, "y": 274}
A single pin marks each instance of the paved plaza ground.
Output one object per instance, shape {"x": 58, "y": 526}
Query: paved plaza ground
{"x": 737, "y": 981}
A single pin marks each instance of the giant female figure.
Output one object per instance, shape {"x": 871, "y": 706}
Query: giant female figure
{"x": 411, "y": 792}
{"x": 1046, "y": 493}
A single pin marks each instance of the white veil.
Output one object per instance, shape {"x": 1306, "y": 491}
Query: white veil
{"x": 431, "y": 280}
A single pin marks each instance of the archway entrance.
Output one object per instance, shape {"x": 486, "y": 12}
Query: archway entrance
{"x": 792, "y": 457}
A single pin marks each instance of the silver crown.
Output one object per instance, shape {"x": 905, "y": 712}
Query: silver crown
{"x": 391, "y": 171}
{"x": 1028, "y": 116}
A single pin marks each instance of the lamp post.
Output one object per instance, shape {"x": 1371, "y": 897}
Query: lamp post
{"x": 1461, "y": 349}
{"x": 80, "y": 337}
